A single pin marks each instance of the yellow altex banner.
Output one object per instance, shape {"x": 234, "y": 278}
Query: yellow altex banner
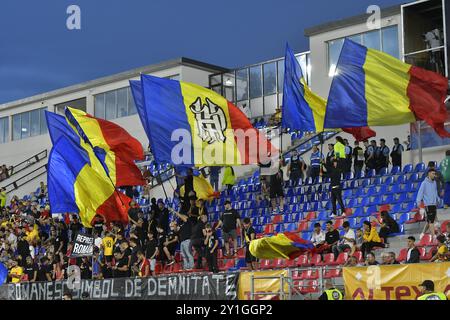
{"x": 394, "y": 282}
{"x": 270, "y": 283}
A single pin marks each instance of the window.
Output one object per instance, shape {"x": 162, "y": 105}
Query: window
{"x": 270, "y": 78}
{"x": 4, "y": 130}
{"x": 334, "y": 50}
{"x": 29, "y": 124}
{"x": 372, "y": 40}
{"x": 114, "y": 104}
{"x": 390, "y": 41}
{"x": 280, "y": 75}
{"x": 255, "y": 82}
{"x": 242, "y": 84}
{"x": 79, "y": 104}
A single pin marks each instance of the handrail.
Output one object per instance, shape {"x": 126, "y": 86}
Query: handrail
{"x": 35, "y": 158}
{"x": 26, "y": 179}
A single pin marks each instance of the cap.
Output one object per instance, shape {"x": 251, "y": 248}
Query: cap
{"x": 428, "y": 285}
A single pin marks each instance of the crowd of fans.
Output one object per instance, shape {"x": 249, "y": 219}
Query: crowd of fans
{"x": 36, "y": 246}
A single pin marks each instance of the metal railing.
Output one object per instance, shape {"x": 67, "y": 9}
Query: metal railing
{"x": 26, "y": 179}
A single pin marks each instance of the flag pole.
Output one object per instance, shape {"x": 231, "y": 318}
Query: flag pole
{"x": 321, "y": 153}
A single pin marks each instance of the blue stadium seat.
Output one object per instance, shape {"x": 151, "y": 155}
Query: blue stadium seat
{"x": 306, "y": 235}
{"x": 401, "y": 179}
{"x": 370, "y": 191}
{"x": 414, "y": 177}
{"x": 375, "y": 200}
{"x": 377, "y": 181}
{"x": 351, "y": 203}
{"x": 420, "y": 167}
{"x": 383, "y": 172}
{"x": 407, "y": 168}
{"x": 389, "y": 180}
{"x": 279, "y": 228}
{"x": 364, "y": 202}
{"x": 381, "y": 190}
{"x": 370, "y": 210}
{"x": 407, "y": 207}
{"x": 388, "y": 198}
{"x": 403, "y": 218}
{"x": 371, "y": 173}
{"x": 292, "y": 227}
{"x": 395, "y": 170}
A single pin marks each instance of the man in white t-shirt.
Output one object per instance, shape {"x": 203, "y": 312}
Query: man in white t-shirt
{"x": 346, "y": 242}
{"x": 318, "y": 236}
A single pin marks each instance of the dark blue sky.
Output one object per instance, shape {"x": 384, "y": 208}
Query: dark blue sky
{"x": 38, "y": 53}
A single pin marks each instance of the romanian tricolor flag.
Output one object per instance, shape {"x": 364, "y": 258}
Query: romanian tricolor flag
{"x": 287, "y": 245}
{"x": 191, "y": 125}
{"x": 303, "y": 109}
{"x": 77, "y": 180}
{"x": 203, "y": 189}
{"x": 373, "y": 88}
{"x": 115, "y": 147}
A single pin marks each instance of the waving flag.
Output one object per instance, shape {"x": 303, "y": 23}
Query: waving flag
{"x": 303, "y": 109}
{"x": 287, "y": 245}
{"x": 373, "y": 88}
{"x": 77, "y": 180}
{"x": 114, "y": 146}
{"x": 195, "y": 125}
{"x": 203, "y": 189}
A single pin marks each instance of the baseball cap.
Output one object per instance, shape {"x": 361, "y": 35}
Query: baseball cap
{"x": 427, "y": 284}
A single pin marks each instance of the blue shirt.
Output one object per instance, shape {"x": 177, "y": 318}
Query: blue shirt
{"x": 315, "y": 159}
{"x": 428, "y": 193}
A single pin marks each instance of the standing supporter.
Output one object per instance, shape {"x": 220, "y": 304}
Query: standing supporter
{"x": 229, "y": 221}
{"x": 329, "y": 158}
{"x": 276, "y": 190}
{"x": 445, "y": 170}
{"x": 347, "y": 242}
{"x": 75, "y": 227}
{"x": 163, "y": 215}
{"x": 370, "y": 154}
{"x": 202, "y": 208}
{"x": 388, "y": 225}
{"x": 16, "y": 272}
{"x": 2, "y": 197}
{"x": 440, "y": 183}
{"x": 339, "y": 153}
{"x": 197, "y": 239}
{"x": 171, "y": 243}
{"x": 133, "y": 212}
{"x": 228, "y": 179}
{"x": 316, "y": 159}
{"x": 429, "y": 194}
{"x": 214, "y": 177}
{"x": 371, "y": 238}
{"x": 358, "y": 158}
{"x": 108, "y": 246}
{"x": 396, "y": 154}
{"x": 296, "y": 168}
{"x": 211, "y": 244}
{"x": 120, "y": 269}
{"x": 382, "y": 155}
{"x": 336, "y": 190}
{"x": 151, "y": 251}
{"x": 185, "y": 235}
{"x": 249, "y": 234}
{"x": 348, "y": 156}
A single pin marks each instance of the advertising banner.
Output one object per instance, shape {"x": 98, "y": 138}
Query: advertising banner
{"x": 265, "y": 285}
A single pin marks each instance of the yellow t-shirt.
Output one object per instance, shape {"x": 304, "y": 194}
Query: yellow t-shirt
{"x": 108, "y": 243}
{"x": 443, "y": 249}
{"x": 17, "y": 271}
{"x": 33, "y": 235}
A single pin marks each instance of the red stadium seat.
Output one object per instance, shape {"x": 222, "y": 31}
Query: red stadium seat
{"x": 359, "y": 256}
{"x": 332, "y": 273}
{"x": 266, "y": 264}
{"x": 277, "y": 218}
{"x": 228, "y": 264}
{"x": 310, "y": 216}
{"x": 177, "y": 256}
{"x": 279, "y": 263}
{"x": 219, "y": 254}
{"x": 302, "y": 261}
{"x": 310, "y": 274}
{"x": 444, "y": 226}
{"x": 296, "y": 275}
{"x": 429, "y": 254}
{"x": 402, "y": 255}
{"x": 338, "y": 223}
{"x": 291, "y": 263}
{"x": 328, "y": 260}
{"x": 302, "y": 226}
{"x": 426, "y": 241}
{"x": 316, "y": 259}
{"x": 341, "y": 259}
{"x": 312, "y": 287}
{"x": 241, "y": 253}
{"x": 423, "y": 253}
{"x": 268, "y": 228}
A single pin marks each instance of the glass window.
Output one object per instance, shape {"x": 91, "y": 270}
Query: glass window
{"x": 302, "y": 62}
{"x": 270, "y": 78}
{"x": 228, "y": 85}
{"x": 372, "y": 40}
{"x": 43, "y": 121}
{"x": 242, "y": 84}
{"x": 390, "y": 41}
{"x": 110, "y": 105}
{"x": 122, "y": 101}
{"x": 334, "y": 50}
{"x": 16, "y": 127}
{"x": 356, "y": 38}
{"x": 131, "y": 105}
{"x": 25, "y": 124}
{"x": 255, "y": 82}
{"x": 4, "y": 129}
{"x": 35, "y": 125}
{"x": 99, "y": 105}
{"x": 280, "y": 75}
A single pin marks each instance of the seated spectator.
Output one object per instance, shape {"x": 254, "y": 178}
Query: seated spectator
{"x": 347, "y": 242}
{"x": 351, "y": 262}
{"x": 413, "y": 255}
{"x": 442, "y": 253}
{"x": 358, "y": 241}
{"x": 331, "y": 237}
{"x": 371, "y": 238}
{"x": 170, "y": 243}
{"x": 388, "y": 225}
{"x": 370, "y": 260}
{"x": 388, "y": 258}
{"x": 318, "y": 237}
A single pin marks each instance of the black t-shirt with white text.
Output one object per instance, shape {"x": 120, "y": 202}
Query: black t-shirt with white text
{"x": 332, "y": 236}
{"x": 229, "y": 219}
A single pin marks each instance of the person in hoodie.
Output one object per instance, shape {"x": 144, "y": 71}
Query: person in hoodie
{"x": 428, "y": 193}
{"x": 445, "y": 170}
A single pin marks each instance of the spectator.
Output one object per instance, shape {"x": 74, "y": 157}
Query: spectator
{"x": 211, "y": 244}
{"x": 428, "y": 293}
{"x": 370, "y": 260}
{"x": 151, "y": 251}
{"x": 45, "y": 270}
{"x": 75, "y": 227}
{"x": 2, "y": 197}
{"x": 170, "y": 243}
{"x": 276, "y": 190}
{"x": 188, "y": 184}
{"x": 370, "y": 155}
{"x": 316, "y": 160}
{"x": 214, "y": 177}
{"x": 154, "y": 209}
{"x": 96, "y": 265}
{"x": 143, "y": 265}
{"x": 185, "y": 234}
{"x": 197, "y": 239}
{"x": 413, "y": 254}
{"x": 429, "y": 194}
{"x": 249, "y": 234}
{"x": 339, "y": 153}
{"x": 133, "y": 212}
{"x": 445, "y": 170}
{"x": 42, "y": 191}
{"x": 85, "y": 268}
{"x": 440, "y": 183}
{"x": 382, "y": 156}
{"x": 348, "y": 157}
{"x": 358, "y": 158}
{"x": 318, "y": 238}
{"x": 229, "y": 221}
{"x": 408, "y": 143}
{"x": 228, "y": 179}
{"x": 16, "y": 272}
{"x": 30, "y": 270}
{"x": 351, "y": 262}
{"x": 442, "y": 254}
{"x": 163, "y": 215}
{"x": 120, "y": 269}
{"x": 296, "y": 168}
{"x": 67, "y": 295}
{"x": 396, "y": 154}
{"x": 331, "y": 237}
{"x": 336, "y": 190}
{"x": 331, "y": 293}
{"x": 202, "y": 208}
{"x": 388, "y": 226}
{"x": 347, "y": 242}
{"x": 329, "y": 158}
{"x": 371, "y": 238}
{"x": 107, "y": 246}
